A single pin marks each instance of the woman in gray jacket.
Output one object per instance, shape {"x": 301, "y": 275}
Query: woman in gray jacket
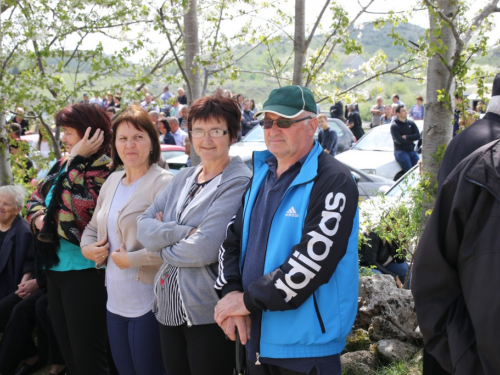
{"x": 110, "y": 239}
{"x": 186, "y": 226}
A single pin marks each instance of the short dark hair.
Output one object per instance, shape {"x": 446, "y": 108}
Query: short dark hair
{"x": 111, "y": 110}
{"x": 395, "y": 96}
{"x": 213, "y": 108}
{"x": 398, "y": 108}
{"x": 420, "y": 98}
{"x": 80, "y": 116}
{"x": 139, "y": 118}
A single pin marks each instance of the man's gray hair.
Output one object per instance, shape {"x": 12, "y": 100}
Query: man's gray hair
{"x": 16, "y": 192}
{"x": 154, "y": 113}
{"x": 173, "y": 119}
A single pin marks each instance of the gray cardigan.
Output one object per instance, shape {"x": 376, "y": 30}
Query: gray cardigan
{"x": 196, "y": 256}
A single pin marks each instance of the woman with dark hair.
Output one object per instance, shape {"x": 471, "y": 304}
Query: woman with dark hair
{"x": 185, "y": 226}
{"x": 166, "y": 136}
{"x": 239, "y": 99}
{"x": 58, "y": 212}
{"x": 112, "y": 232}
{"x": 253, "y": 108}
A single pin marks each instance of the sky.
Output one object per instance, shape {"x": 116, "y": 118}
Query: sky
{"x": 419, "y": 18}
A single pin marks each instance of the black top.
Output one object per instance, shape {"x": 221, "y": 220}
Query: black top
{"x": 337, "y": 110}
{"x": 2, "y": 237}
{"x": 407, "y": 128}
{"x": 467, "y": 141}
{"x": 182, "y": 99}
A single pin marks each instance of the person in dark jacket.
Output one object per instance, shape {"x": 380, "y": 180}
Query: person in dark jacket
{"x": 327, "y": 137}
{"x": 295, "y": 239}
{"x": 354, "y": 121}
{"x": 15, "y": 240}
{"x": 481, "y": 132}
{"x": 455, "y": 274}
{"x": 404, "y": 133}
{"x": 337, "y": 111}
{"x": 247, "y": 121}
{"x": 166, "y": 136}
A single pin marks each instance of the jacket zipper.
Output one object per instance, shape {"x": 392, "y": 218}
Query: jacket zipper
{"x": 318, "y": 314}
{"x": 257, "y": 362}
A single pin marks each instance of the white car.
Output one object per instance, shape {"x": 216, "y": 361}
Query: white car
{"x": 374, "y": 153}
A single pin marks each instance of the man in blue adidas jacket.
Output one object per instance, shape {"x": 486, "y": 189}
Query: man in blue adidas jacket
{"x": 288, "y": 271}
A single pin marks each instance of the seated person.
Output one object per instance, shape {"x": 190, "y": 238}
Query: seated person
{"x": 384, "y": 256}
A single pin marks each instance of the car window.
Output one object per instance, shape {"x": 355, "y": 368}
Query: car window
{"x": 254, "y": 135}
{"x": 379, "y": 139}
{"x": 410, "y": 180}
{"x": 336, "y": 127}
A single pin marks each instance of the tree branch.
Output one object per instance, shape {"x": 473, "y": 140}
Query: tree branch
{"x": 318, "y": 20}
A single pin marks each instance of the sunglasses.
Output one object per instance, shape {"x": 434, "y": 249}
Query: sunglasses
{"x": 282, "y": 123}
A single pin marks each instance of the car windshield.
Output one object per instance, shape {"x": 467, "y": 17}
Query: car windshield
{"x": 408, "y": 181}
{"x": 379, "y": 139}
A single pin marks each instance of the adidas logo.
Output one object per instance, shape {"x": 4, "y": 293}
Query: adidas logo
{"x": 292, "y": 213}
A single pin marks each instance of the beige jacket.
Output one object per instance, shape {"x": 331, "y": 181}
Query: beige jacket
{"x": 151, "y": 185}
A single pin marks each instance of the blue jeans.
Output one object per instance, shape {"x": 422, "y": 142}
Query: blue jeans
{"x": 406, "y": 159}
{"x": 400, "y": 269}
{"x": 135, "y": 344}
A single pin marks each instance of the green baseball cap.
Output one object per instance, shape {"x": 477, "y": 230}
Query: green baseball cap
{"x": 289, "y": 102}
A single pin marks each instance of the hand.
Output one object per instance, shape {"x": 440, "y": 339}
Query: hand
{"x": 327, "y": 151}
{"x": 97, "y": 251}
{"x": 404, "y": 136}
{"x": 27, "y": 288}
{"x": 86, "y": 147}
{"x": 242, "y": 323}
{"x": 39, "y": 222}
{"x": 232, "y": 304}
{"x": 191, "y": 232}
{"x": 159, "y": 216}
{"x": 398, "y": 283}
{"x": 120, "y": 258}
{"x": 27, "y": 276}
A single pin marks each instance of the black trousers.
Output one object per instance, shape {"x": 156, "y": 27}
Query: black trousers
{"x": 196, "y": 350}
{"x": 77, "y": 303}
{"x": 273, "y": 370}
{"x": 48, "y": 347}
{"x": 17, "y": 321}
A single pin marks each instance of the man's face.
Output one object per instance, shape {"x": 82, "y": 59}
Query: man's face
{"x": 402, "y": 113}
{"x": 180, "y": 92}
{"x": 379, "y": 102}
{"x": 86, "y": 99}
{"x": 173, "y": 126}
{"x": 246, "y": 106}
{"x": 323, "y": 123}
{"x": 394, "y": 99}
{"x": 153, "y": 118}
{"x": 148, "y": 98}
{"x": 289, "y": 143}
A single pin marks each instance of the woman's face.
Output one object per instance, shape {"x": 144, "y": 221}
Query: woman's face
{"x": 133, "y": 146}
{"x": 208, "y": 148}
{"x": 70, "y": 137}
{"x": 8, "y": 209}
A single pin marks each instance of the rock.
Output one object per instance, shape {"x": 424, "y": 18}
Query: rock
{"x": 381, "y": 329}
{"x": 388, "y": 351}
{"x": 357, "y": 340}
{"x": 357, "y": 363}
{"x": 379, "y": 297}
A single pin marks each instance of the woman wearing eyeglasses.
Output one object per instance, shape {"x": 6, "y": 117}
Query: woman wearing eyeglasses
{"x": 186, "y": 225}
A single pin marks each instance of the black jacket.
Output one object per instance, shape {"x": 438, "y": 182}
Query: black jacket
{"x": 376, "y": 252}
{"x": 457, "y": 268}
{"x": 337, "y": 110}
{"x": 408, "y": 128}
{"x": 469, "y": 140}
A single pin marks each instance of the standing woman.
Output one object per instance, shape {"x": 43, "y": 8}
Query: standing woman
{"x": 130, "y": 269}
{"x": 186, "y": 225}
{"x": 58, "y": 211}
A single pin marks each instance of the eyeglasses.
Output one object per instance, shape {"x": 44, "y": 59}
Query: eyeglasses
{"x": 282, "y": 123}
{"x": 214, "y": 133}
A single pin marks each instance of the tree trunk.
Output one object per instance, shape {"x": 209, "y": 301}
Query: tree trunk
{"x": 193, "y": 72}
{"x": 438, "y": 117}
{"x": 5, "y": 171}
{"x": 299, "y": 42}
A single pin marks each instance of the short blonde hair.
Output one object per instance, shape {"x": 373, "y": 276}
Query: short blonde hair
{"x": 322, "y": 115}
